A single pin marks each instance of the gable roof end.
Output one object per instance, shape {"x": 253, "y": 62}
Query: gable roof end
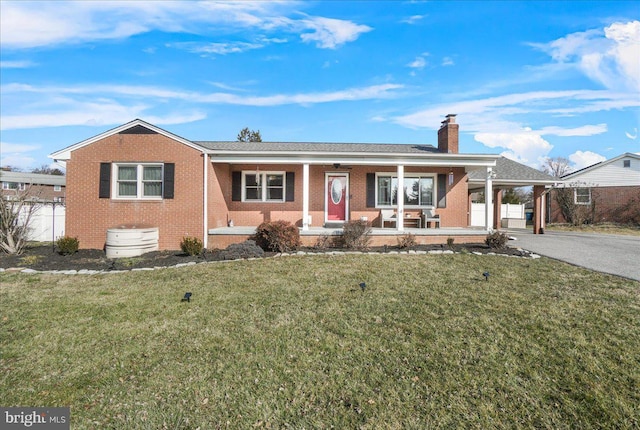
{"x": 571, "y": 175}
{"x": 136, "y": 126}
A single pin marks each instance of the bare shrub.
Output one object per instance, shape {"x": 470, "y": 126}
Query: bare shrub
{"x": 356, "y": 234}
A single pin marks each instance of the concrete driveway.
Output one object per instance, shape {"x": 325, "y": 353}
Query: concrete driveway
{"x": 608, "y": 253}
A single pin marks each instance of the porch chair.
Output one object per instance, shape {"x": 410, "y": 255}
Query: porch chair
{"x": 429, "y": 215}
{"x": 388, "y": 215}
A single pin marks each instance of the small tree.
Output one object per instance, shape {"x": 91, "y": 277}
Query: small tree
{"x": 557, "y": 167}
{"x": 573, "y": 212}
{"x": 48, "y": 170}
{"x": 511, "y": 197}
{"x": 247, "y": 135}
{"x": 15, "y": 216}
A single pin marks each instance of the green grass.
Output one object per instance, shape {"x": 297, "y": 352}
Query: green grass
{"x": 603, "y": 228}
{"x": 293, "y": 342}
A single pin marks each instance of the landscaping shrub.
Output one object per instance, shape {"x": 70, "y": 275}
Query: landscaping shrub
{"x": 497, "y": 240}
{"x": 323, "y": 242}
{"x": 356, "y": 234}
{"x": 67, "y": 245}
{"x": 191, "y": 245}
{"x": 450, "y": 241}
{"x": 246, "y": 249}
{"x": 406, "y": 241}
{"x": 277, "y": 236}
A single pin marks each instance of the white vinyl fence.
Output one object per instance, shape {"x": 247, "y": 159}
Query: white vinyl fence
{"x": 507, "y": 210}
{"x": 45, "y": 225}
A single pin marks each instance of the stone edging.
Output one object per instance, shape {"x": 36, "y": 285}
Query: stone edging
{"x": 284, "y": 254}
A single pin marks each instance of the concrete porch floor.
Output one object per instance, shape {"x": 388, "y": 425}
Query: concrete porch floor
{"x": 375, "y": 231}
{"x": 224, "y": 236}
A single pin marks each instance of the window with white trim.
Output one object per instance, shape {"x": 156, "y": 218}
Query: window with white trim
{"x": 57, "y": 188}
{"x": 626, "y": 163}
{"x": 582, "y": 196}
{"x": 263, "y": 186}
{"x": 138, "y": 181}
{"x": 19, "y": 186}
{"x": 418, "y": 190}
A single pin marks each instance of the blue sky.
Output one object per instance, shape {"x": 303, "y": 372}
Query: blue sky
{"x": 527, "y": 79}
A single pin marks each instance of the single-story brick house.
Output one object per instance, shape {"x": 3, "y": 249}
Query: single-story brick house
{"x": 138, "y": 173}
{"x": 608, "y": 191}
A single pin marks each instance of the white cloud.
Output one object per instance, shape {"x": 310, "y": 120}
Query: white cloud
{"x": 16, "y": 64}
{"x": 586, "y": 130}
{"x": 501, "y": 122}
{"x": 113, "y": 104}
{"x": 40, "y": 24}
{"x": 525, "y": 147}
{"x": 609, "y": 56}
{"x": 633, "y": 136}
{"x": 582, "y": 159}
{"x": 499, "y": 114}
{"x": 17, "y": 155}
{"x": 420, "y": 62}
{"x": 447, "y": 61}
{"x": 331, "y": 33}
{"x": 216, "y": 48}
{"x": 414, "y": 19}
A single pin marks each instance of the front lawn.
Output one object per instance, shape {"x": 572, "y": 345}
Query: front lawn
{"x": 293, "y": 342}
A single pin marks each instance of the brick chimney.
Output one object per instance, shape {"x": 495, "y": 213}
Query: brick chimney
{"x": 448, "y": 135}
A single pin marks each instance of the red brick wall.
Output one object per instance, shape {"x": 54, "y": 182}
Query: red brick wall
{"x": 612, "y": 204}
{"x": 88, "y": 217}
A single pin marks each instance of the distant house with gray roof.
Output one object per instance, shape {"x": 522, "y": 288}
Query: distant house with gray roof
{"x": 39, "y": 186}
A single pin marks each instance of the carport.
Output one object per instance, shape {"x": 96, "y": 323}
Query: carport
{"x": 509, "y": 174}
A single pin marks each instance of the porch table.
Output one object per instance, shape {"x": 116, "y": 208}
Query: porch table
{"x": 412, "y": 221}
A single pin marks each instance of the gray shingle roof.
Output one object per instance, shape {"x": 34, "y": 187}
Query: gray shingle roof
{"x": 509, "y": 170}
{"x": 32, "y": 178}
{"x": 318, "y": 147}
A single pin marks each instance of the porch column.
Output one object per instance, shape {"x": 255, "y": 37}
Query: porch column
{"x": 488, "y": 200}
{"x": 538, "y": 190}
{"x": 497, "y": 208}
{"x": 305, "y": 196}
{"x": 400, "y": 199}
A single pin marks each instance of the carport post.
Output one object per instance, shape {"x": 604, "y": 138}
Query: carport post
{"x": 538, "y": 191}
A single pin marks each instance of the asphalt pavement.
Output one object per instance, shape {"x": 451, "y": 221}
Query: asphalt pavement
{"x": 608, "y": 253}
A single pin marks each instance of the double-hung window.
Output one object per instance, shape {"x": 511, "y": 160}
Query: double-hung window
{"x": 138, "y": 181}
{"x": 19, "y": 186}
{"x": 417, "y": 190}
{"x": 582, "y": 196}
{"x": 263, "y": 186}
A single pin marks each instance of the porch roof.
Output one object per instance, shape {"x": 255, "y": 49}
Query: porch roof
{"x": 341, "y": 153}
{"x": 509, "y": 173}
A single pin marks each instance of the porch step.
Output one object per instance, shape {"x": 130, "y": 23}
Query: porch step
{"x": 333, "y": 225}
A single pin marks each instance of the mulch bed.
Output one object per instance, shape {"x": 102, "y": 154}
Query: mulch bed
{"x": 43, "y": 258}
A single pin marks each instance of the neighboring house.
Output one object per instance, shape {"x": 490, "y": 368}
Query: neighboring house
{"x": 38, "y": 186}
{"x": 220, "y": 191}
{"x": 45, "y": 194}
{"x": 608, "y": 191}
